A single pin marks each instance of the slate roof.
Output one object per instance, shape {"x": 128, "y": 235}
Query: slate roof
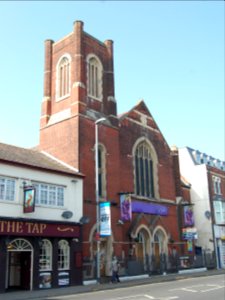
{"x": 34, "y": 158}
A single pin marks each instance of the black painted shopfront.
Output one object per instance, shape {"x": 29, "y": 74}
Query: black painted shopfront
{"x": 39, "y": 254}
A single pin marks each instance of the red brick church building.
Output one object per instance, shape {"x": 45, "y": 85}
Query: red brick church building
{"x": 135, "y": 163}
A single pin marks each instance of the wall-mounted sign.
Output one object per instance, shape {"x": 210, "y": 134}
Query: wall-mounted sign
{"x": 63, "y": 278}
{"x": 28, "y": 228}
{"x": 189, "y": 246}
{"x": 189, "y": 233}
{"x": 188, "y": 215}
{"x": 125, "y": 207}
{"x": 29, "y": 199}
{"x": 149, "y": 208}
{"x": 45, "y": 280}
{"x": 105, "y": 219}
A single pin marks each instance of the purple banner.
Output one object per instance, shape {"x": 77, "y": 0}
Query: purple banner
{"x": 125, "y": 207}
{"x": 188, "y": 215}
{"x": 149, "y": 208}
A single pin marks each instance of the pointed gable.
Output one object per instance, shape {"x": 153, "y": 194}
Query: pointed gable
{"x": 140, "y": 114}
{"x": 142, "y": 108}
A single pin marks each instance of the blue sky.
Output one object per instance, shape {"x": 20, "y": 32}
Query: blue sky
{"x": 169, "y": 53}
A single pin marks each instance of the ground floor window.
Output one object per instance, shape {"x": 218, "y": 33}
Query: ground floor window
{"x": 45, "y": 256}
{"x": 63, "y": 255}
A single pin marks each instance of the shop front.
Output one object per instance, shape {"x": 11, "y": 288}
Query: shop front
{"x": 38, "y": 254}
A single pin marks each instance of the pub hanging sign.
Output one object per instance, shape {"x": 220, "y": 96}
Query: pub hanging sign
{"x": 29, "y": 199}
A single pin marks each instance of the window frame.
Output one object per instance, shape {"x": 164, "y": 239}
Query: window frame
{"x": 144, "y": 170}
{"x": 219, "y": 211}
{"x": 63, "y": 79}
{"x": 94, "y": 77}
{"x": 216, "y": 185}
{"x": 63, "y": 254}
{"x": 7, "y": 191}
{"x": 47, "y": 256}
{"x": 44, "y": 194}
{"x": 102, "y": 171}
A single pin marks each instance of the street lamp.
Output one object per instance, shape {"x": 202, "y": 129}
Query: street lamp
{"x": 97, "y": 199}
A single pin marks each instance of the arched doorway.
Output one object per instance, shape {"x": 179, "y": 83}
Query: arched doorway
{"x": 160, "y": 246}
{"x": 19, "y": 265}
{"x": 143, "y": 247}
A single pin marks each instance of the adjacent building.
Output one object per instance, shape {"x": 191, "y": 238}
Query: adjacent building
{"x": 207, "y": 178}
{"x": 41, "y": 203}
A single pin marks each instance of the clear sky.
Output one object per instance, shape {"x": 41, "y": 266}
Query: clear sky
{"x": 169, "y": 53}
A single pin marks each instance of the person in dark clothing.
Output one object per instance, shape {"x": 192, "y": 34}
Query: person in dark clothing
{"x": 115, "y": 270}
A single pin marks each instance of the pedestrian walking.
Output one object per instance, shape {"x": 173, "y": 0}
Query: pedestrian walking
{"x": 115, "y": 270}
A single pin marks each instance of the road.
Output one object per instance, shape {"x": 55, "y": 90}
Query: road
{"x": 200, "y": 288}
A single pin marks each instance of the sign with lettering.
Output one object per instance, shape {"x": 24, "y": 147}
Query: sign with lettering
{"x": 38, "y": 229}
{"x": 105, "y": 219}
{"x": 189, "y": 233}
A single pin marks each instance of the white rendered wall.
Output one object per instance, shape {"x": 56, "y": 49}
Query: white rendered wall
{"x": 73, "y": 197}
{"x": 196, "y": 175}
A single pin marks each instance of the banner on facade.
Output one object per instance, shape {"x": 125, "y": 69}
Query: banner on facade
{"x": 188, "y": 215}
{"x": 189, "y": 245}
{"x": 125, "y": 207}
{"x": 29, "y": 199}
{"x": 189, "y": 233}
{"x": 149, "y": 208}
{"x": 105, "y": 219}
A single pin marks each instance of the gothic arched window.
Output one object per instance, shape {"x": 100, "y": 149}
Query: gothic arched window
{"x": 101, "y": 171}
{"x": 94, "y": 77}
{"x": 144, "y": 181}
{"x": 63, "y": 77}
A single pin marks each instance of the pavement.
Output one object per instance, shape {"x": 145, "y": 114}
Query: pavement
{"x": 87, "y": 288}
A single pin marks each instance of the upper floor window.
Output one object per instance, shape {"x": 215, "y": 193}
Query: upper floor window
{"x": 63, "y": 77}
{"x": 48, "y": 194}
{"x": 144, "y": 171}
{"x": 101, "y": 172}
{"x": 7, "y": 189}
{"x": 217, "y": 185}
{"x": 63, "y": 255}
{"x": 45, "y": 256}
{"x": 94, "y": 77}
{"x": 219, "y": 212}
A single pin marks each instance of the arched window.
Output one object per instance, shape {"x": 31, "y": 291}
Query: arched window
{"x": 101, "y": 171}
{"x": 63, "y": 255}
{"x": 63, "y": 77}
{"x": 19, "y": 245}
{"x": 144, "y": 181}
{"x": 45, "y": 256}
{"x": 94, "y": 77}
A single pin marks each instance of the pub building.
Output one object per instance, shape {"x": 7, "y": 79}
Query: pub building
{"x": 40, "y": 228}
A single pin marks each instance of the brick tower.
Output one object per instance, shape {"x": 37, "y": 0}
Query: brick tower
{"x": 78, "y": 86}
{"x": 78, "y": 90}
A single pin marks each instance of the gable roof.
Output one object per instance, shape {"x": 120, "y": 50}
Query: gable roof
{"x": 140, "y": 109}
{"x": 35, "y": 159}
{"x": 140, "y": 106}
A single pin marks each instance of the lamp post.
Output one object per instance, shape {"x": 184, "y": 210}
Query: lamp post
{"x": 97, "y": 200}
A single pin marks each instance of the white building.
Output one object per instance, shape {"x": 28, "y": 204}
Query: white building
{"x": 207, "y": 178}
{"x": 41, "y": 204}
